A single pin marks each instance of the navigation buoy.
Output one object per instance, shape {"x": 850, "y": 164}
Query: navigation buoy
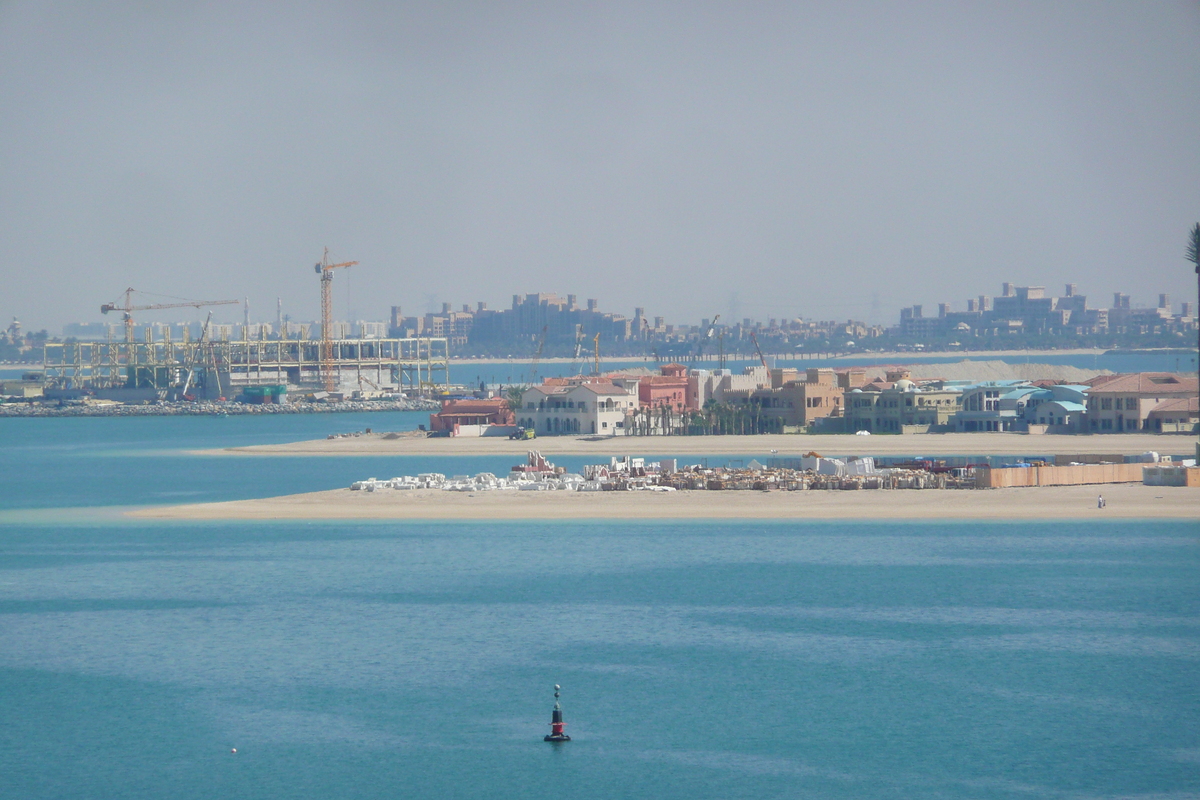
{"x": 556, "y": 721}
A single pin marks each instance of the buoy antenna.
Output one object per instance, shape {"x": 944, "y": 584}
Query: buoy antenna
{"x": 556, "y": 721}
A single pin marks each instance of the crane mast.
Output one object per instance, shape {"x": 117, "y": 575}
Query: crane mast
{"x": 758, "y": 350}
{"x": 195, "y": 353}
{"x": 533, "y": 366}
{"x": 704, "y": 337}
{"x": 575, "y": 364}
{"x": 325, "y": 270}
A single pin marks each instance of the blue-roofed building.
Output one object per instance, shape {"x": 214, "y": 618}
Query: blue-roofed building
{"x": 1021, "y": 406}
{"x": 1057, "y": 416}
{"x": 1057, "y": 409}
{"x": 993, "y": 406}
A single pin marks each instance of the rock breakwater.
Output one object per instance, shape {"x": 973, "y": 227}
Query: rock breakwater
{"x": 207, "y": 409}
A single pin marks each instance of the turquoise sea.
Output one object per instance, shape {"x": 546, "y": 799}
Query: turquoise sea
{"x": 857, "y": 659}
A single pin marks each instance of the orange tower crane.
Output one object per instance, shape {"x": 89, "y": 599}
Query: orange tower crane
{"x": 127, "y": 308}
{"x": 325, "y": 270}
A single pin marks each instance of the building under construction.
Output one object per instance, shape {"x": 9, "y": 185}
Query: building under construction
{"x": 208, "y": 368}
{"x": 211, "y": 369}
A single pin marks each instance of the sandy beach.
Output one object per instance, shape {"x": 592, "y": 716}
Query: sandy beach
{"x": 927, "y": 445}
{"x": 1125, "y": 501}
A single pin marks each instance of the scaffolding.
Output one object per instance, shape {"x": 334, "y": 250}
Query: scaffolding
{"x": 418, "y": 366}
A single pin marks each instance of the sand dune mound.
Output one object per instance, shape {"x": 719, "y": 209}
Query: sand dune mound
{"x": 995, "y": 371}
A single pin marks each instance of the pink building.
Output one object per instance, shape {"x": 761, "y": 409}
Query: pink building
{"x": 669, "y": 389}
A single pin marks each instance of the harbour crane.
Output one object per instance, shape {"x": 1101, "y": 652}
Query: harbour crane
{"x": 325, "y": 270}
{"x": 758, "y": 350}
{"x": 537, "y": 356}
{"x": 704, "y": 337}
{"x": 575, "y": 365}
{"x": 187, "y": 384}
{"x": 127, "y": 308}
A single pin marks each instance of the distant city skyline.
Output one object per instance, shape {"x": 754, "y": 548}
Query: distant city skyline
{"x": 561, "y": 318}
{"x": 837, "y": 161}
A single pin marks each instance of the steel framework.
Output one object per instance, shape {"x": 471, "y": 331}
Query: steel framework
{"x": 411, "y": 365}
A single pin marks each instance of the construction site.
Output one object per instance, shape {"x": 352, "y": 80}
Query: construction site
{"x": 259, "y": 369}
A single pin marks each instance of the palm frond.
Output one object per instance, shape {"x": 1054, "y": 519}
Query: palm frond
{"x": 1192, "y": 253}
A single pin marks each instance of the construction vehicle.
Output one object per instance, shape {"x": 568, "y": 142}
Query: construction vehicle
{"x": 325, "y": 270}
{"x": 362, "y": 395}
{"x": 523, "y": 433}
{"x": 127, "y": 307}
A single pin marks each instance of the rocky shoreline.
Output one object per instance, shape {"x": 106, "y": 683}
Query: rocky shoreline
{"x": 209, "y": 409}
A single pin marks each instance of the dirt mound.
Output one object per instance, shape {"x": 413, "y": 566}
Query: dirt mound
{"x": 967, "y": 370}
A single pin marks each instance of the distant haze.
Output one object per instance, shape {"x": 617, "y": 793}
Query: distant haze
{"x": 828, "y": 160}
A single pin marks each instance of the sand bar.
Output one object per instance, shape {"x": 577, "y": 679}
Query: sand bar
{"x": 888, "y": 357}
{"x": 928, "y": 445}
{"x": 1068, "y": 502}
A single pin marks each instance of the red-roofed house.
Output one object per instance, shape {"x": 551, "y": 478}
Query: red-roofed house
{"x": 454, "y": 413}
{"x": 1180, "y": 415}
{"x": 1119, "y": 403}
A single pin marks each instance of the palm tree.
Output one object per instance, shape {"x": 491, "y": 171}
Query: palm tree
{"x": 1192, "y": 254}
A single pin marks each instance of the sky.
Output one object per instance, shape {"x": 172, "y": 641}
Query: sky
{"x": 823, "y": 160}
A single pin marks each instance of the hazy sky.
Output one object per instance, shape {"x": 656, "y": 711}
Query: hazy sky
{"x": 825, "y": 160}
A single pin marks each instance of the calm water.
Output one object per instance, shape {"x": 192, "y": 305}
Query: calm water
{"x": 830, "y": 660}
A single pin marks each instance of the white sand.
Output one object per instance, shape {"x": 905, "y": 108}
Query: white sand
{"x": 1071, "y": 502}
{"x": 928, "y": 445}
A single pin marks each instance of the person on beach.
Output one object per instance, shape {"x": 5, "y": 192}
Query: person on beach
{"x": 1100, "y": 501}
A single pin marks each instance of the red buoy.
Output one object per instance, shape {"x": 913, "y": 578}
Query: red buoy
{"x": 556, "y": 721}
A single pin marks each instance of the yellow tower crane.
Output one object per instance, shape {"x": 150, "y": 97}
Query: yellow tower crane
{"x": 325, "y": 270}
{"x": 127, "y": 308}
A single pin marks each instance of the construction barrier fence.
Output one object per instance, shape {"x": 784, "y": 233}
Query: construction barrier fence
{"x": 1078, "y": 475}
{"x": 1172, "y": 476}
